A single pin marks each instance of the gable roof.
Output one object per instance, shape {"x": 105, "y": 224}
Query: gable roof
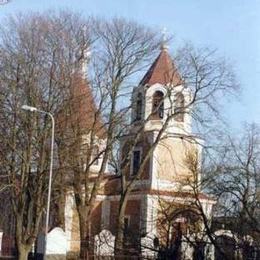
{"x": 162, "y": 71}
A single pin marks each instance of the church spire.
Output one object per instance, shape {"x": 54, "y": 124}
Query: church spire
{"x": 163, "y": 70}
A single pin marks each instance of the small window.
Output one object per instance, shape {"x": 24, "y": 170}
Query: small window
{"x": 95, "y": 155}
{"x": 139, "y": 104}
{"x": 136, "y": 160}
{"x": 158, "y": 105}
{"x": 126, "y": 224}
{"x": 179, "y": 107}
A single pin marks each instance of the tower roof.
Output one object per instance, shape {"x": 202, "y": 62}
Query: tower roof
{"x": 162, "y": 71}
{"x": 80, "y": 111}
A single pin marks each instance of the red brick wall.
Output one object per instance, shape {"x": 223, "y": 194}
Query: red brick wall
{"x": 133, "y": 209}
{"x": 126, "y": 166}
{"x": 96, "y": 219}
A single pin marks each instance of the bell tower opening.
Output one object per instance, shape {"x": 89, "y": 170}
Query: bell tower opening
{"x": 139, "y": 105}
{"x": 157, "y": 105}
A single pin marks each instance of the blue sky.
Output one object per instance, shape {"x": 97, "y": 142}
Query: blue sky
{"x": 231, "y": 26}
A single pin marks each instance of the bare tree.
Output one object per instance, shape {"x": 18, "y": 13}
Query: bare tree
{"x": 38, "y": 55}
{"x": 120, "y": 50}
{"x": 230, "y": 174}
{"x": 236, "y": 185}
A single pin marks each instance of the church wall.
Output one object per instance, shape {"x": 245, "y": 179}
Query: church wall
{"x": 144, "y": 145}
{"x": 96, "y": 219}
{"x": 171, "y": 162}
{"x": 75, "y": 237}
{"x": 72, "y": 223}
{"x": 133, "y": 212}
{"x": 95, "y": 227}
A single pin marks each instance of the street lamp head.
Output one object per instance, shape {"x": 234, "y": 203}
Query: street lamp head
{"x": 29, "y": 108}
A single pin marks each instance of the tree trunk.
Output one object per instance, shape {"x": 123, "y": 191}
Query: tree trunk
{"x": 23, "y": 251}
{"x": 23, "y": 248}
{"x": 84, "y": 238}
{"x": 119, "y": 244}
{"x": 119, "y": 239}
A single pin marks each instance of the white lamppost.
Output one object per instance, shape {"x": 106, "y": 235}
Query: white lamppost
{"x": 34, "y": 109}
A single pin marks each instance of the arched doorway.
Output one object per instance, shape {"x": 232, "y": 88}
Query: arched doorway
{"x": 226, "y": 247}
{"x": 178, "y": 227}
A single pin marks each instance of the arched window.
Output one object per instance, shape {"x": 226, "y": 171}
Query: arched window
{"x": 158, "y": 105}
{"x": 179, "y": 107}
{"x": 136, "y": 161}
{"x": 139, "y": 104}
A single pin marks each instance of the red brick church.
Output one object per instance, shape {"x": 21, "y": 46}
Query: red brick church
{"x": 160, "y": 207}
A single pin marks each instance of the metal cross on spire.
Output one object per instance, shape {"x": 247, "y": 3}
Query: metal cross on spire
{"x": 164, "y": 45}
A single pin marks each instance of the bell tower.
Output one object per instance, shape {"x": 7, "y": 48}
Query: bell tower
{"x": 160, "y": 99}
{"x": 160, "y": 94}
